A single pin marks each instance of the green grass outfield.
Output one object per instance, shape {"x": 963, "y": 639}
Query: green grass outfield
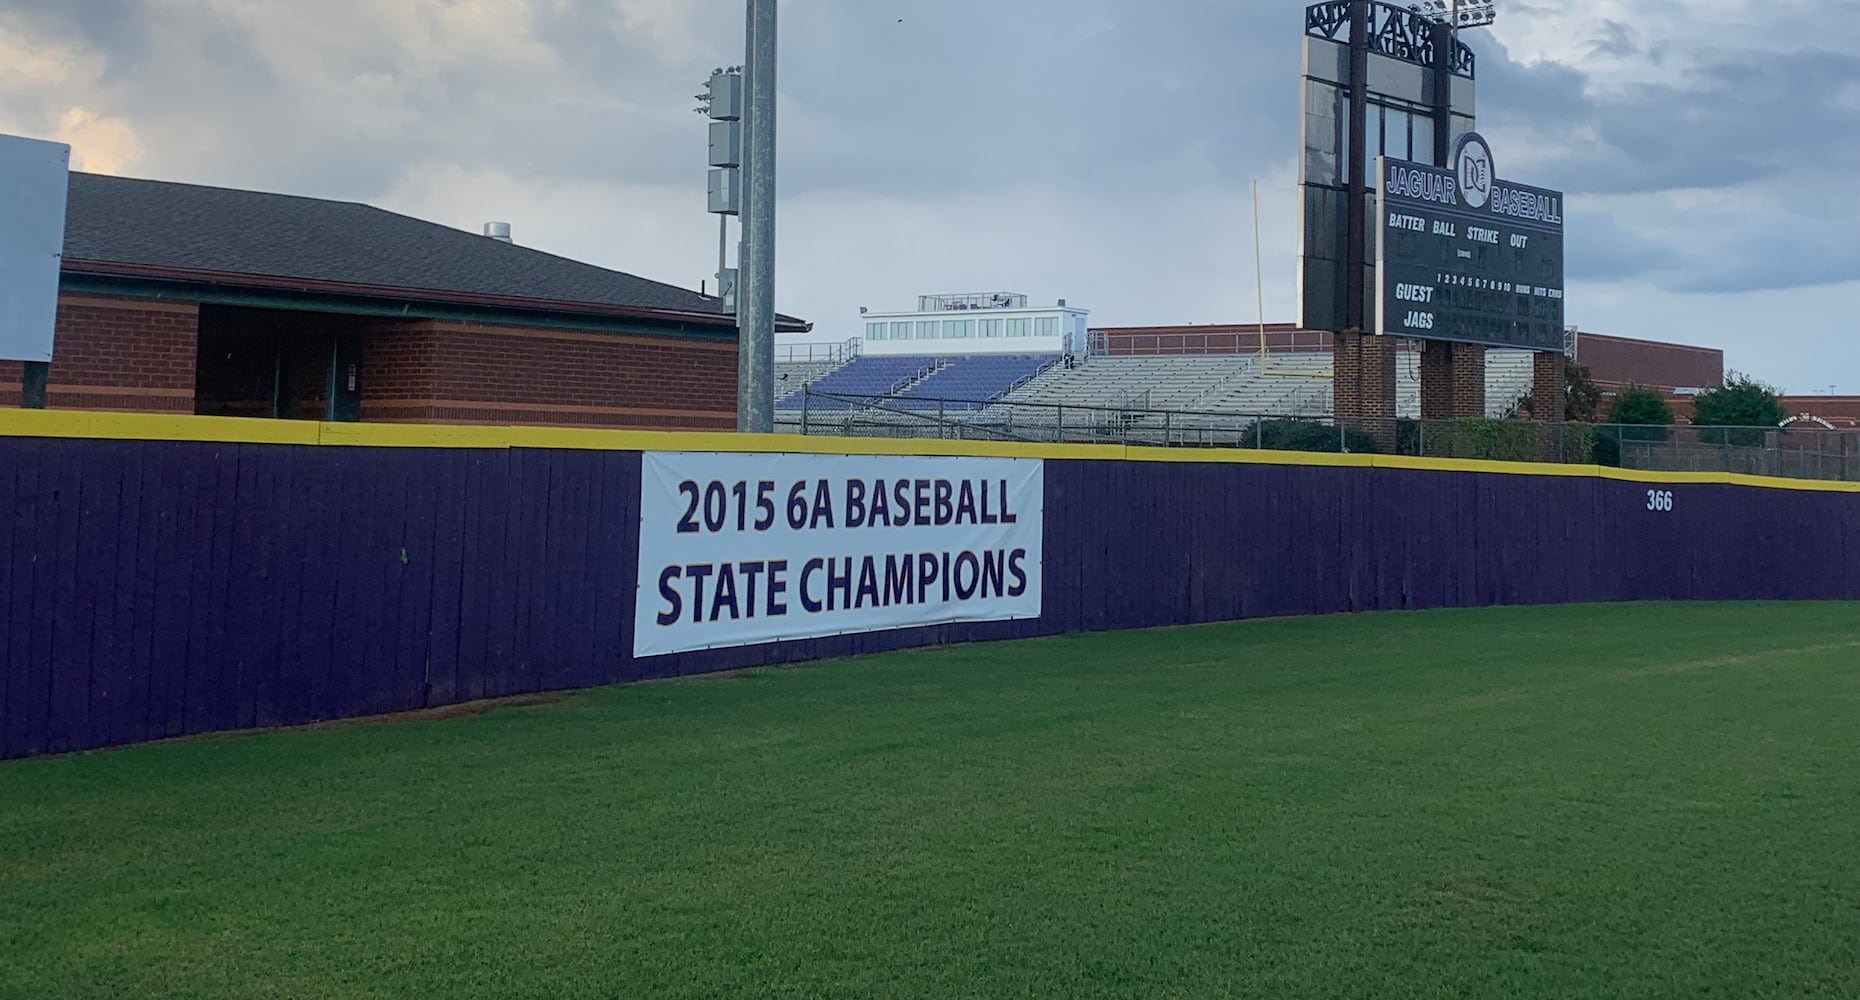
{"x": 1626, "y": 801}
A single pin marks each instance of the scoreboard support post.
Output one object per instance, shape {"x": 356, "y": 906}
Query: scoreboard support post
{"x": 1448, "y": 371}
{"x": 1452, "y": 380}
{"x": 1550, "y": 394}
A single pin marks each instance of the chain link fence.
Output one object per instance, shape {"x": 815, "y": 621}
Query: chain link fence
{"x": 1811, "y": 453}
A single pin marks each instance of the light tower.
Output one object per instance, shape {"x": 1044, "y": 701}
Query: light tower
{"x": 1457, "y": 13}
{"x": 1448, "y": 17}
{"x": 741, "y": 105}
{"x": 722, "y": 102}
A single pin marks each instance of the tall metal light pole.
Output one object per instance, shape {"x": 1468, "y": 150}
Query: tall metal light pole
{"x": 755, "y": 359}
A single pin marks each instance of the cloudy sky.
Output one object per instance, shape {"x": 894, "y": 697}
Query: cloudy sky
{"x": 1096, "y": 150}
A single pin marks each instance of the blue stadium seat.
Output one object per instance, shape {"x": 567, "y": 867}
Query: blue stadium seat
{"x": 969, "y": 383}
{"x": 866, "y": 376}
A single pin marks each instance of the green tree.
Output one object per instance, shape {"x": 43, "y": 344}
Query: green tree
{"x": 1582, "y": 399}
{"x": 1640, "y": 405}
{"x": 1646, "y": 415}
{"x": 1741, "y": 402}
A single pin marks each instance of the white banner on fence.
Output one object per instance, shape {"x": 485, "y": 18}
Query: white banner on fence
{"x": 738, "y": 549}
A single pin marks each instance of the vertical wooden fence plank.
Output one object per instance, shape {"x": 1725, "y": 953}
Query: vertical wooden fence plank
{"x": 414, "y": 570}
{"x": 160, "y": 679}
{"x": 173, "y": 570}
{"x": 34, "y": 569}
{"x": 335, "y": 567}
{"x": 527, "y": 491}
{"x": 180, "y": 530}
{"x": 251, "y": 585}
{"x": 18, "y": 525}
{"x": 580, "y": 524}
{"x": 117, "y": 708}
{"x": 479, "y": 568}
{"x": 366, "y": 615}
{"x": 346, "y": 677}
{"x": 446, "y": 506}
{"x": 209, "y": 531}
{"x": 397, "y": 622}
{"x": 623, "y": 472}
{"x": 280, "y": 563}
{"x": 64, "y": 616}
{"x": 556, "y": 607}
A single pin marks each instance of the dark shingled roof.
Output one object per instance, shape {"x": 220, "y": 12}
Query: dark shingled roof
{"x": 227, "y": 234}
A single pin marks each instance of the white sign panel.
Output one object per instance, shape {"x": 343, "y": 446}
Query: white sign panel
{"x": 739, "y": 549}
{"x": 33, "y": 180}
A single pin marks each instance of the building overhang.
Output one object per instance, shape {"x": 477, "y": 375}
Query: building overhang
{"x": 316, "y": 295}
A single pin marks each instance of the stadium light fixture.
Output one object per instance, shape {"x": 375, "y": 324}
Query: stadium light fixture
{"x": 1457, "y": 13}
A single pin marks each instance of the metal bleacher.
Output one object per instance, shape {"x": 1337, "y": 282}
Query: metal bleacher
{"x": 1166, "y": 382}
{"x": 865, "y": 376}
{"x": 1508, "y": 376}
{"x": 974, "y": 381}
{"x": 790, "y": 376}
{"x": 1298, "y": 385}
{"x": 1289, "y": 385}
{"x": 1183, "y": 392}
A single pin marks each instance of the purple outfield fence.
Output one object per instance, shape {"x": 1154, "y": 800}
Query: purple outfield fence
{"x": 153, "y": 589}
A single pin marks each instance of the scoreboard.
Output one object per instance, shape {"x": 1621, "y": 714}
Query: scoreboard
{"x": 1465, "y": 257}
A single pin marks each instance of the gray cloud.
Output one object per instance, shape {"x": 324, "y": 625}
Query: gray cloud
{"x": 1616, "y": 39}
{"x": 1597, "y": 248}
{"x": 968, "y": 93}
{"x": 1739, "y": 118}
{"x": 1717, "y": 181}
{"x": 1714, "y": 177}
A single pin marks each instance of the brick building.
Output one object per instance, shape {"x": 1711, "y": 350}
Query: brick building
{"x": 1221, "y": 338}
{"x": 177, "y": 298}
{"x": 1839, "y": 413}
{"x": 1613, "y": 362}
{"x": 1616, "y": 362}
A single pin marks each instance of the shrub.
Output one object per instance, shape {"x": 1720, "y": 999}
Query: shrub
{"x": 1578, "y": 443}
{"x": 1305, "y": 435}
{"x": 1640, "y": 405}
{"x": 1484, "y": 438}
